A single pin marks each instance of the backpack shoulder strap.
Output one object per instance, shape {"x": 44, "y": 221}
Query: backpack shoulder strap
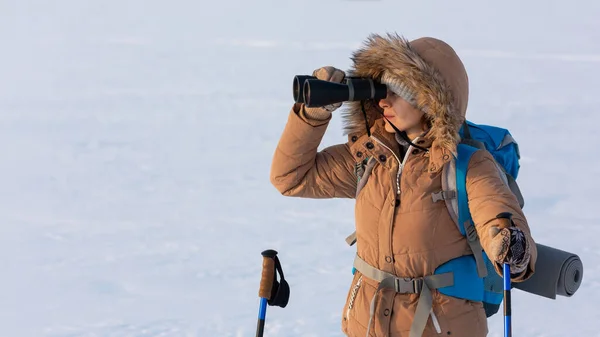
{"x": 465, "y": 221}
{"x": 363, "y": 171}
{"x": 448, "y": 192}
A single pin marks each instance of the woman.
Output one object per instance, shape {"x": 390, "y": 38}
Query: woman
{"x": 392, "y": 169}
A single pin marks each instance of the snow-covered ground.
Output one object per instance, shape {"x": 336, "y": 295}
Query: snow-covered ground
{"x": 136, "y": 139}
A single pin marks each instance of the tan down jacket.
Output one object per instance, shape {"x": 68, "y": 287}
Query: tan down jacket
{"x": 399, "y": 228}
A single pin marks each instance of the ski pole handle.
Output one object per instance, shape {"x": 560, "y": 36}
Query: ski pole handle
{"x": 265, "y": 288}
{"x": 268, "y": 274}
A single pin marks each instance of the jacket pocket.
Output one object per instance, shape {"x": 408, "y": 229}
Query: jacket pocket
{"x": 460, "y": 317}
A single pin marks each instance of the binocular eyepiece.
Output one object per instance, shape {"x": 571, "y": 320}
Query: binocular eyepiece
{"x": 315, "y": 93}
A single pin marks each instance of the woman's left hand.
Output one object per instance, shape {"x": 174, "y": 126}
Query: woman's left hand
{"x": 509, "y": 245}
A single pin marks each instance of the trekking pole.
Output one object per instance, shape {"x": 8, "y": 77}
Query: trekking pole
{"x": 264, "y": 290}
{"x": 507, "y": 304}
{"x": 271, "y": 291}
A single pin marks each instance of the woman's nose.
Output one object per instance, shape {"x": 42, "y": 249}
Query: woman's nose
{"x": 383, "y": 103}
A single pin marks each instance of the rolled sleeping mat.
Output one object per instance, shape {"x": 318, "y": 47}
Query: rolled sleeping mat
{"x": 556, "y": 273}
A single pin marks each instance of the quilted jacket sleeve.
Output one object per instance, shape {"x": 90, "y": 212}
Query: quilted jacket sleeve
{"x": 488, "y": 197}
{"x": 298, "y": 169}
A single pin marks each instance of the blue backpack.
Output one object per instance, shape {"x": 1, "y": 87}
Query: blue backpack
{"x": 475, "y": 276}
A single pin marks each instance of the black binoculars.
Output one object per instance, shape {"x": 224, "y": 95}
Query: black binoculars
{"x": 315, "y": 93}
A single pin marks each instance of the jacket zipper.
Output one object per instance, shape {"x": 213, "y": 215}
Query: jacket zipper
{"x": 400, "y": 163}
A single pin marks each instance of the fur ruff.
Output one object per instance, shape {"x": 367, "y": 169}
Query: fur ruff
{"x": 395, "y": 63}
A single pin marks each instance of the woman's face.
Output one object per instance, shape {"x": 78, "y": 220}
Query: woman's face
{"x": 402, "y": 114}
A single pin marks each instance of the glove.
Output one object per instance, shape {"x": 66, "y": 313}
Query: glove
{"x": 509, "y": 245}
{"x": 330, "y": 74}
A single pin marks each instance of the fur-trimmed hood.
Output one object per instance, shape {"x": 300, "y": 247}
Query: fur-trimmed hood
{"x": 428, "y": 68}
